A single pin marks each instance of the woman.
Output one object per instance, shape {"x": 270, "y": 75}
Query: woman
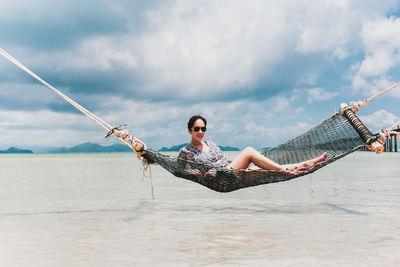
{"x": 209, "y": 153}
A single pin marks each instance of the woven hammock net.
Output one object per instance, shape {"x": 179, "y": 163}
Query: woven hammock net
{"x": 338, "y": 135}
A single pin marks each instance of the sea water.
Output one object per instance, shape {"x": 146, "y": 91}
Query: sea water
{"x": 97, "y": 210}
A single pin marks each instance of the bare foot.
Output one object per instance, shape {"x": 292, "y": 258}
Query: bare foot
{"x": 307, "y": 165}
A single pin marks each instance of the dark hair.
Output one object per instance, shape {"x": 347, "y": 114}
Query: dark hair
{"x": 194, "y": 118}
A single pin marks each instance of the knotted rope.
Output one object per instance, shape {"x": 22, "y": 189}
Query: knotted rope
{"x": 355, "y": 106}
{"x": 388, "y": 132}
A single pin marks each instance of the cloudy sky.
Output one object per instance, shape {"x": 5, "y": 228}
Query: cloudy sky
{"x": 261, "y": 72}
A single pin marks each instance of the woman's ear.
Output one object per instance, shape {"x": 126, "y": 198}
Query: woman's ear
{"x": 190, "y": 131}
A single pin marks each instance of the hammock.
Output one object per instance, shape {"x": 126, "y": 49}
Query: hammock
{"x": 339, "y": 135}
{"x": 336, "y": 135}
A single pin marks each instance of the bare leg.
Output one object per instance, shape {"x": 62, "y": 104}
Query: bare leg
{"x": 250, "y": 155}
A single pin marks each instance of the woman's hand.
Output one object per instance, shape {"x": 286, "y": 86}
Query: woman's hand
{"x": 194, "y": 172}
{"x": 210, "y": 174}
{"x": 299, "y": 171}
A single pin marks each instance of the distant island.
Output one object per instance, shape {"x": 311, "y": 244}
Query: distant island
{"x": 178, "y": 147}
{"x": 91, "y": 148}
{"x": 96, "y": 148}
{"x": 13, "y": 150}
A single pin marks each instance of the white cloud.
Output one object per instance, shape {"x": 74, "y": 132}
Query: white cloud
{"x": 381, "y": 39}
{"x": 317, "y": 93}
{"x": 98, "y": 53}
{"x": 379, "y": 120}
{"x": 213, "y": 47}
{"x": 328, "y": 26}
{"x": 341, "y": 53}
{"x": 275, "y": 135}
{"x": 104, "y": 54}
{"x": 285, "y": 103}
{"x": 26, "y": 94}
{"x": 45, "y": 128}
{"x": 220, "y": 47}
{"x": 379, "y": 62}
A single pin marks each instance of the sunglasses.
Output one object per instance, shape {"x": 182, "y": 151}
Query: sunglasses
{"x": 197, "y": 129}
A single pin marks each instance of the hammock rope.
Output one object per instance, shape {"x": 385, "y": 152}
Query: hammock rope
{"x": 355, "y": 105}
{"x": 397, "y": 124}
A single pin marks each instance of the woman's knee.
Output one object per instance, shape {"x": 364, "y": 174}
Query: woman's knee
{"x": 249, "y": 150}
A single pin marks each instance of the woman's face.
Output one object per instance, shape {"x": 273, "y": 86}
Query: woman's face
{"x": 198, "y": 130}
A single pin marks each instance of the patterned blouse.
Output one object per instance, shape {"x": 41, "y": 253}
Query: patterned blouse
{"x": 213, "y": 157}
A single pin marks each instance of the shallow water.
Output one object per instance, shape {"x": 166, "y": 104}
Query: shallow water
{"x": 97, "y": 210}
